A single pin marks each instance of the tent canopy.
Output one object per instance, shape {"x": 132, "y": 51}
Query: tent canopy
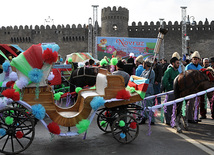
{"x": 79, "y": 57}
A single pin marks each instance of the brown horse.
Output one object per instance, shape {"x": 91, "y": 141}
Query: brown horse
{"x": 191, "y": 82}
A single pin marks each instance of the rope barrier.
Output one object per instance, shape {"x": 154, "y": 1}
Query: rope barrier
{"x": 179, "y": 99}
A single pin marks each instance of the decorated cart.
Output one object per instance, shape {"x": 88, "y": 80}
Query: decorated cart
{"x": 30, "y": 98}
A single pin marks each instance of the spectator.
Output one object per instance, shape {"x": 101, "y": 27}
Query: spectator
{"x": 158, "y": 75}
{"x": 119, "y": 71}
{"x": 86, "y": 63}
{"x": 167, "y": 82}
{"x": 139, "y": 64}
{"x": 212, "y": 62}
{"x": 132, "y": 64}
{"x": 205, "y": 62}
{"x": 91, "y": 62}
{"x": 203, "y": 111}
{"x": 149, "y": 74}
{"x": 164, "y": 65}
{"x": 196, "y": 66}
{"x": 181, "y": 68}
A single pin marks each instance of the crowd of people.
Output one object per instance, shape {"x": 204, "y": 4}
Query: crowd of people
{"x": 161, "y": 76}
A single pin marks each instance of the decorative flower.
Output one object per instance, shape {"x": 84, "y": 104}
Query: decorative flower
{"x": 83, "y": 125}
{"x": 49, "y": 56}
{"x": 10, "y": 83}
{"x": 122, "y": 135}
{"x": 2, "y": 104}
{"x": 54, "y": 128}
{"x": 22, "y": 82}
{"x": 103, "y": 123}
{"x": 58, "y": 95}
{"x": 78, "y": 89}
{"x": 9, "y": 120}
{"x": 97, "y": 102}
{"x": 110, "y": 49}
{"x": 103, "y": 62}
{"x": 114, "y": 61}
{"x": 38, "y": 111}
{"x": 35, "y": 75}
{"x": 133, "y": 125}
{"x": 122, "y": 123}
{"x": 19, "y": 134}
{"x": 51, "y": 76}
{"x": 123, "y": 94}
{"x": 2, "y": 132}
{"x": 6, "y": 66}
{"x": 13, "y": 76}
{"x": 70, "y": 60}
{"x": 10, "y": 93}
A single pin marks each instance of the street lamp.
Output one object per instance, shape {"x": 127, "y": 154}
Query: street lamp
{"x": 185, "y": 21}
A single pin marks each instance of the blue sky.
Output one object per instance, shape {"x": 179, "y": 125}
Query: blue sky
{"x": 25, "y": 12}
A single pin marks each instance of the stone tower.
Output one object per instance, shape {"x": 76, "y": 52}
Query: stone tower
{"x": 114, "y": 22}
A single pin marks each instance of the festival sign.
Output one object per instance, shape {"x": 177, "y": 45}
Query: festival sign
{"x": 121, "y": 47}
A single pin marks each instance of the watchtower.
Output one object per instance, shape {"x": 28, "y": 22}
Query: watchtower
{"x": 114, "y": 22}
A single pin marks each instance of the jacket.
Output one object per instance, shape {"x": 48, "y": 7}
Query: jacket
{"x": 168, "y": 78}
{"x": 139, "y": 70}
{"x": 158, "y": 72}
{"x": 192, "y": 66}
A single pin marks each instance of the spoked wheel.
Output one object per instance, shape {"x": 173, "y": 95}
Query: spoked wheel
{"x": 125, "y": 129}
{"x": 105, "y": 119}
{"x": 17, "y": 130}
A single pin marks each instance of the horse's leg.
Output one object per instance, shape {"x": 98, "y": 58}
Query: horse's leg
{"x": 178, "y": 117}
{"x": 185, "y": 123}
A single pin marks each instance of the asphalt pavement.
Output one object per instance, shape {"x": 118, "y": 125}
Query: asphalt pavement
{"x": 164, "y": 140}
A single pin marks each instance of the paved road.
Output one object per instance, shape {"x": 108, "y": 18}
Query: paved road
{"x": 163, "y": 140}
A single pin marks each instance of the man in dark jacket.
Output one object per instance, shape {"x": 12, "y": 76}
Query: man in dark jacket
{"x": 158, "y": 75}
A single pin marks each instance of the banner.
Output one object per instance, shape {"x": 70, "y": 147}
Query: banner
{"x": 121, "y": 47}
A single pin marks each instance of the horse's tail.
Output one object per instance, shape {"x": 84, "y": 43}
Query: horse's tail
{"x": 176, "y": 88}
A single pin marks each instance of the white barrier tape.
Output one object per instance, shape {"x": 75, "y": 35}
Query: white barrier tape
{"x": 153, "y": 108}
{"x": 158, "y": 95}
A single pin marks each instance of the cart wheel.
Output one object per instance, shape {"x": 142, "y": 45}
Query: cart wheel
{"x": 105, "y": 119}
{"x": 19, "y": 129}
{"x": 125, "y": 129}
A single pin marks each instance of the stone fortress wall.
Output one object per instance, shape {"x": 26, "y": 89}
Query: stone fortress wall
{"x": 114, "y": 23}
